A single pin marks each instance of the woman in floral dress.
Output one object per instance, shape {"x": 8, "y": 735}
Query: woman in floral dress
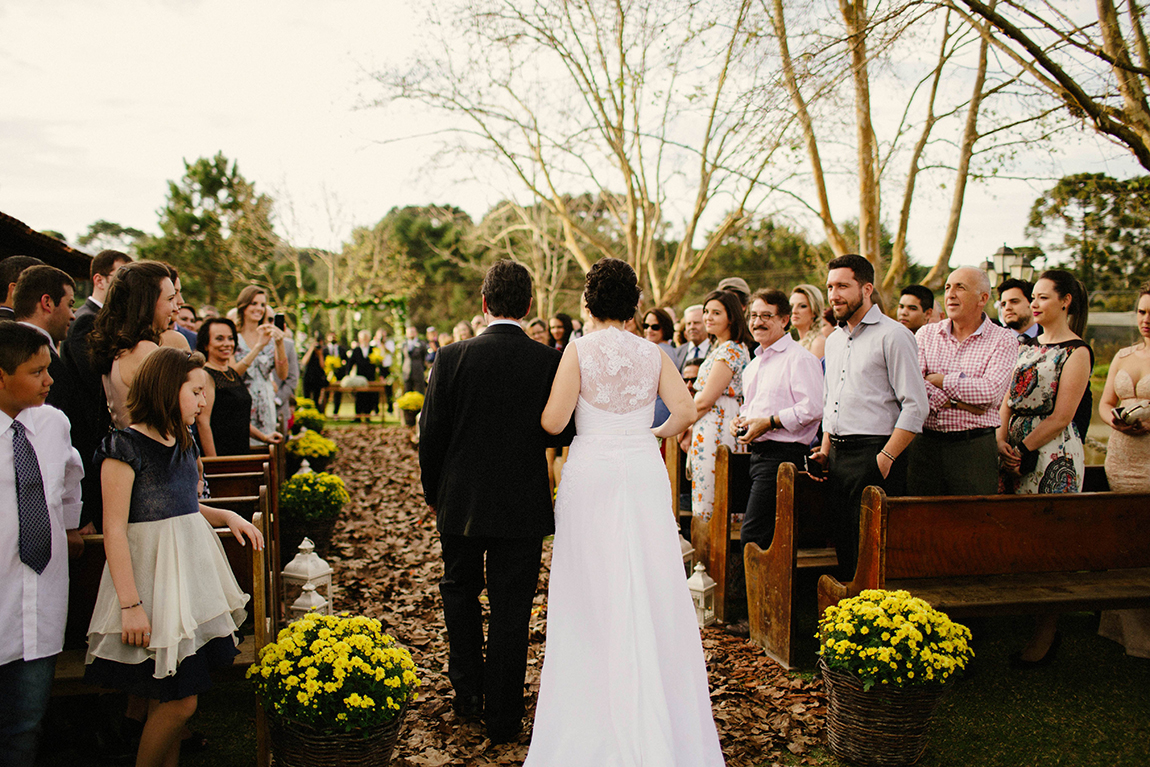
{"x": 1039, "y": 441}
{"x": 719, "y": 388}
{"x": 271, "y": 364}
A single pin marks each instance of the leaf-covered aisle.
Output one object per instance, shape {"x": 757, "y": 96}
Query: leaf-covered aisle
{"x": 387, "y": 562}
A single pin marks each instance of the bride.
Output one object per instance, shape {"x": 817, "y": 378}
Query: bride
{"x": 624, "y": 680}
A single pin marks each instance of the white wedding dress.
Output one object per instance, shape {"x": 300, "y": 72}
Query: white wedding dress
{"x": 624, "y": 681}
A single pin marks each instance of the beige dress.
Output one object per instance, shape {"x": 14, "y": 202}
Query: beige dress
{"x": 1128, "y": 471}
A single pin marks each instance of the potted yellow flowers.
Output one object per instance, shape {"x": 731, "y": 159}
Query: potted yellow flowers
{"x": 886, "y": 659}
{"x": 310, "y": 503}
{"x": 336, "y": 690}
{"x": 316, "y": 448}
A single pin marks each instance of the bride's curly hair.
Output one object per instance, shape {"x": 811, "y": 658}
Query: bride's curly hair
{"x": 612, "y": 291}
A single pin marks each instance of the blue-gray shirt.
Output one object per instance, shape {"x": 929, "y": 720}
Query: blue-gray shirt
{"x": 873, "y": 384}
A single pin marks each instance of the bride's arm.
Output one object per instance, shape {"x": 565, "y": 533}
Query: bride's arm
{"x": 564, "y": 393}
{"x": 673, "y": 390}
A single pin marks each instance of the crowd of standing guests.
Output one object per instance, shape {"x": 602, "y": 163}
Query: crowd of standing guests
{"x": 943, "y": 400}
{"x": 132, "y": 406}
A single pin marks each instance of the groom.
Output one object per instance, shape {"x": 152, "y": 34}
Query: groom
{"x": 482, "y": 454}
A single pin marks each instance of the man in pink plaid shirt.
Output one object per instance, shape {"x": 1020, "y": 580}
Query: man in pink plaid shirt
{"x": 967, "y": 362}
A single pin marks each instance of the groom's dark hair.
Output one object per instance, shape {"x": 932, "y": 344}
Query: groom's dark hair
{"x": 507, "y": 288}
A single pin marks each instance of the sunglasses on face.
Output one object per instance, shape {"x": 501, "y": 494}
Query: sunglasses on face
{"x": 689, "y": 380}
{"x": 650, "y": 327}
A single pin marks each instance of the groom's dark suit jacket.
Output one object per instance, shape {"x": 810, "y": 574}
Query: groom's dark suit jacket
{"x": 481, "y": 448}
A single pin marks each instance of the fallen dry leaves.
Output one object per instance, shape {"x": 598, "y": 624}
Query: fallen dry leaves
{"x": 387, "y": 565}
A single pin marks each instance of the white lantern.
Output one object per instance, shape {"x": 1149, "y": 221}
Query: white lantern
{"x": 688, "y": 552}
{"x": 702, "y": 588}
{"x": 309, "y": 602}
{"x": 307, "y": 568}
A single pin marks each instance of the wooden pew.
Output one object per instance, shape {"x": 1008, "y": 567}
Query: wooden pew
{"x": 1005, "y": 554}
{"x": 732, "y": 486}
{"x": 231, "y": 464}
{"x": 802, "y": 530}
{"x": 237, "y": 483}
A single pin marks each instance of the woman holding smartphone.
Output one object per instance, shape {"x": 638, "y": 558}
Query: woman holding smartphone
{"x": 270, "y": 365}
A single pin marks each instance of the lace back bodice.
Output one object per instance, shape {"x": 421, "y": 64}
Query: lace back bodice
{"x": 619, "y": 375}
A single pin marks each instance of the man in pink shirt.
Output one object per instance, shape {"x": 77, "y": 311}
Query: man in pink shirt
{"x": 967, "y": 362}
{"x": 782, "y": 407}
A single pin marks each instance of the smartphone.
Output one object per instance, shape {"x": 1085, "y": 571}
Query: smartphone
{"x": 813, "y": 467}
{"x": 278, "y": 320}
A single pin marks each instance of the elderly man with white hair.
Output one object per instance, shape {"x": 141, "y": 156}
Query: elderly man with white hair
{"x": 967, "y": 362}
{"x": 696, "y": 344}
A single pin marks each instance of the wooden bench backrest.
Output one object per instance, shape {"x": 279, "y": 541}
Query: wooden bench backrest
{"x": 238, "y": 483}
{"x": 994, "y": 535}
{"x": 232, "y": 464}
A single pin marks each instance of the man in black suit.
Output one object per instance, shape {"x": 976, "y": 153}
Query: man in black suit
{"x": 482, "y": 452}
{"x": 88, "y": 387}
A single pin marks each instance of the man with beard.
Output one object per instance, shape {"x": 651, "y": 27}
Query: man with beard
{"x": 874, "y": 401}
{"x": 1014, "y": 308}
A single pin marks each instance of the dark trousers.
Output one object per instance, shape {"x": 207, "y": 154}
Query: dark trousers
{"x": 24, "y": 690}
{"x": 759, "y": 521}
{"x": 512, "y": 575}
{"x": 853, "y": 467}
{"x": 953, "y": 463}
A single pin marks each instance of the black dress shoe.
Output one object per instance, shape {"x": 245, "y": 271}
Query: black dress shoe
{"x": 1016, "y": 660}
{"x": 504, "y": 734}
{"x": 468, "y": 705}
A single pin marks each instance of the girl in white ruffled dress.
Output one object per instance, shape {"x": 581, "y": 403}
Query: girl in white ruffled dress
{"x": 168, "y": 606}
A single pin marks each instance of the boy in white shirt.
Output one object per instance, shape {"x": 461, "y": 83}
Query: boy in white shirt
{"x": 40, "y": 476}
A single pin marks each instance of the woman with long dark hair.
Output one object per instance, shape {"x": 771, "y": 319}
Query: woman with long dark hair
{"x": 719, "y": 387}
{"x": 1039, "y": 442}
{"x": 137, "y": 309}
{"x": 561, "y": 329}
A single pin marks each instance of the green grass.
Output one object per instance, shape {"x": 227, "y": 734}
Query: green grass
{"x": 1089, "y": 708}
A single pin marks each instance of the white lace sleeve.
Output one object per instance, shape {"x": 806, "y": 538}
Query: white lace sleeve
{"x": 619, "y": 372}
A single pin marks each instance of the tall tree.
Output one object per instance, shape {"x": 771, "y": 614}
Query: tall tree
{"x": 1102, "y": 225}
{"x": 217, "y": 230}
{"x": 643, "y": 103}
{"x": 108, "y": 235}
{"x": 941, "y": 131}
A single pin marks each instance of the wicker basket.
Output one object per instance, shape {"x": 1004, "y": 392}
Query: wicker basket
{"x": 297, "y": 745}
{"x": 883, "y": 727}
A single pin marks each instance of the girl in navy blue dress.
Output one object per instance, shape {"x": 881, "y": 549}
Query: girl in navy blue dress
{"x": 168, "y": 606}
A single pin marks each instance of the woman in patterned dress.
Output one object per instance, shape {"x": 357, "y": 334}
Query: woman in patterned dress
{"x": 1039, "y": 443}
{"x": 719, "y": 388}
{"x": 270, "y": 366}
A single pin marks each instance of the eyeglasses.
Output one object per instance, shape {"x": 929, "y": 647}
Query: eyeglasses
{"x": 764, "y": 317}
{"x": 690, "y": 380}
{"x": 651, "y": 327}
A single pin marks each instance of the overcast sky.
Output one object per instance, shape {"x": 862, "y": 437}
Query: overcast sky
{"x": 102, "y": 101}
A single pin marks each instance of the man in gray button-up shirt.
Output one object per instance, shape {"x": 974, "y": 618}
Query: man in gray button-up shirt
{"x": 874, "y": 401}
